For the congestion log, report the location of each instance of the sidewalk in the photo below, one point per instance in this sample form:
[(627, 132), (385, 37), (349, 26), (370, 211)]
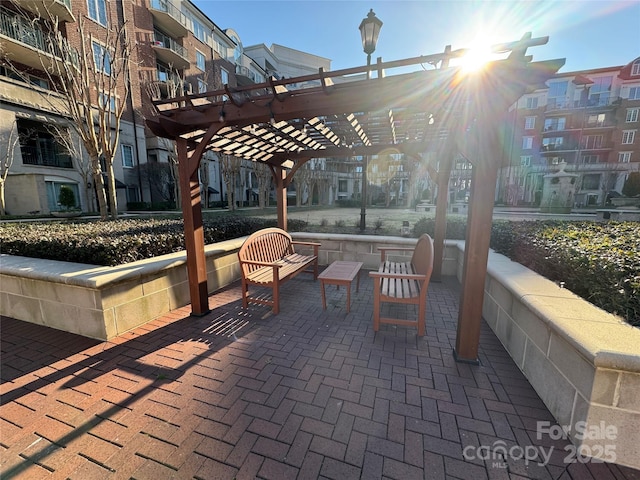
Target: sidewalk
[(304, 394)]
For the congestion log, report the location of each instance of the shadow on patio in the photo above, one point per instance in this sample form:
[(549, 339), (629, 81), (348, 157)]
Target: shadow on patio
[(307, 393)]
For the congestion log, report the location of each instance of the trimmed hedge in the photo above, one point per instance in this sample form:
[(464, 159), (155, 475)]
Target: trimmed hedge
[(600, 262), (121, 241)]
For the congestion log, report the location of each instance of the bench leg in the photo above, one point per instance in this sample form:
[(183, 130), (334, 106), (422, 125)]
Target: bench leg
[(324, 299), (245, 294), (276, 296)]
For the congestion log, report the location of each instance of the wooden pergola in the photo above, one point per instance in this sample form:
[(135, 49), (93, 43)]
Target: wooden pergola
[(347, 113)]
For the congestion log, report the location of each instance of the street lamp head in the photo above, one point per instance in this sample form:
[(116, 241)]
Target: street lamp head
[(369, 31)]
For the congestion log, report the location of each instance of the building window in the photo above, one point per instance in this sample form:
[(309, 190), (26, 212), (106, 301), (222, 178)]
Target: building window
[(529, 123), (554, 124), (200, 60), (342, 186), (600, 91), (624, 157), (634, 93), (127, 156), (53, 194), (532, 103), (595, 120), (108, 102), (98, 11), (40, 145), (101, 58), (591, 181), (635, 68), (527, 143), (592, 141), (202, 86), (224, 76), (552, 143), (590, 158), (628, 136), (632, 114), (557, 96), (525, 161)]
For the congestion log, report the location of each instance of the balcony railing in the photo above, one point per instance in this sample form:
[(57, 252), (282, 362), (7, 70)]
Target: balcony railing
[(21, 30), (565, 104), (558, 147), (162, 40)]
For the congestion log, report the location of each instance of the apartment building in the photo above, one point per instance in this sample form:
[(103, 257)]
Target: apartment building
[(588, 120), (176, 49)]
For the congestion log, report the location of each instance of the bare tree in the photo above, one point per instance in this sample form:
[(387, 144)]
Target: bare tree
[(8, 143), (230, 169), (264, 183), (88, 88)]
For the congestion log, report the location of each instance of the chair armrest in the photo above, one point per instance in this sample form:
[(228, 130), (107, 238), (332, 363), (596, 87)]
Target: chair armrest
[(384, 250), (406, 276)]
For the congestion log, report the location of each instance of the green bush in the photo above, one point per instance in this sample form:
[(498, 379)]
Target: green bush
[(631, 187), (121, 241), (67, 198), (597, 261)]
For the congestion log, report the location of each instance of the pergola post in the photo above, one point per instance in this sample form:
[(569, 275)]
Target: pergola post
[(442, 200), (280, 175), (193, 228), (478, 236)]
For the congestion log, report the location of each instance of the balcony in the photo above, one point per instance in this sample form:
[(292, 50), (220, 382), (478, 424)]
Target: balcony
[(169, 18), (169, 51), (60, 9), (28, 44), (563, 147)]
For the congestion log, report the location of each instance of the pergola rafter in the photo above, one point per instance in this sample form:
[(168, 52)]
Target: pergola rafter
[(437, 109)]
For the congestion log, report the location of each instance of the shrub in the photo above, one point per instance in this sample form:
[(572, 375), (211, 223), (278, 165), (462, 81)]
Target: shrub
[(456, 227), (631, 186), (67, 198)]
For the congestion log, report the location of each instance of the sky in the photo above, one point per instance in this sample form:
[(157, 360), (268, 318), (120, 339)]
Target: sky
[(587, 33)]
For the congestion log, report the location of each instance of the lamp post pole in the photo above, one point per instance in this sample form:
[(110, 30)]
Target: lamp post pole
[(369, 31)]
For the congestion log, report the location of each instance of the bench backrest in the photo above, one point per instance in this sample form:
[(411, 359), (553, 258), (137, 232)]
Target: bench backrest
[(422, 258), (266, 245)]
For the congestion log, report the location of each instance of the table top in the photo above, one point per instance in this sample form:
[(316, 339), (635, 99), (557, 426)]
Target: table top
[(341, 270)]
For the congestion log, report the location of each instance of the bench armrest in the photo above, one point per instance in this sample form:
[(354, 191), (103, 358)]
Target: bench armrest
[(262, 264), (315, 246)]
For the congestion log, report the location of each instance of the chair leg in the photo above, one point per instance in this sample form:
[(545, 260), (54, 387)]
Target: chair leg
[(376, 304), (422, 311)]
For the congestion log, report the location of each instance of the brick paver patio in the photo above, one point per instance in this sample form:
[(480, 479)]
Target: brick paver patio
[(245, 394)]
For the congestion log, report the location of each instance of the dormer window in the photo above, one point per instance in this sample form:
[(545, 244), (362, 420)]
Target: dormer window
[(635, 68)]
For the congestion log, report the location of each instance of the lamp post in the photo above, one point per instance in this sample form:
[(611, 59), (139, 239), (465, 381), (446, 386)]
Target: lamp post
[(369, 31)]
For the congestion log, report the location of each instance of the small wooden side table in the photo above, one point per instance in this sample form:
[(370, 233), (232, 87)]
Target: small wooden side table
[(340, 273)]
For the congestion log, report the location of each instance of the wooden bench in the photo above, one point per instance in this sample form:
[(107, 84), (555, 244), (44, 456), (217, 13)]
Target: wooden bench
[(267, 258), (403, 282)]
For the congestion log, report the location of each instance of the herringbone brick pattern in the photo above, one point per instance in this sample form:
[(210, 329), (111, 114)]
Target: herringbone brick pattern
[(242, 394)]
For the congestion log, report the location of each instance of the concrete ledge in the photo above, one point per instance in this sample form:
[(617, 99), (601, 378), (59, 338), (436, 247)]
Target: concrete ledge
[(104, 302), (582, 361)]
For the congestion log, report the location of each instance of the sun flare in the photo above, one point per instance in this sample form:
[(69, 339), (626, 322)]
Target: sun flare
[(478, 55)]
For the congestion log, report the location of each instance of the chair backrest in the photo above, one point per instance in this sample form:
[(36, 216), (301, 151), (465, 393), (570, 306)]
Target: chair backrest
[(266, 245), (422, 258)]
